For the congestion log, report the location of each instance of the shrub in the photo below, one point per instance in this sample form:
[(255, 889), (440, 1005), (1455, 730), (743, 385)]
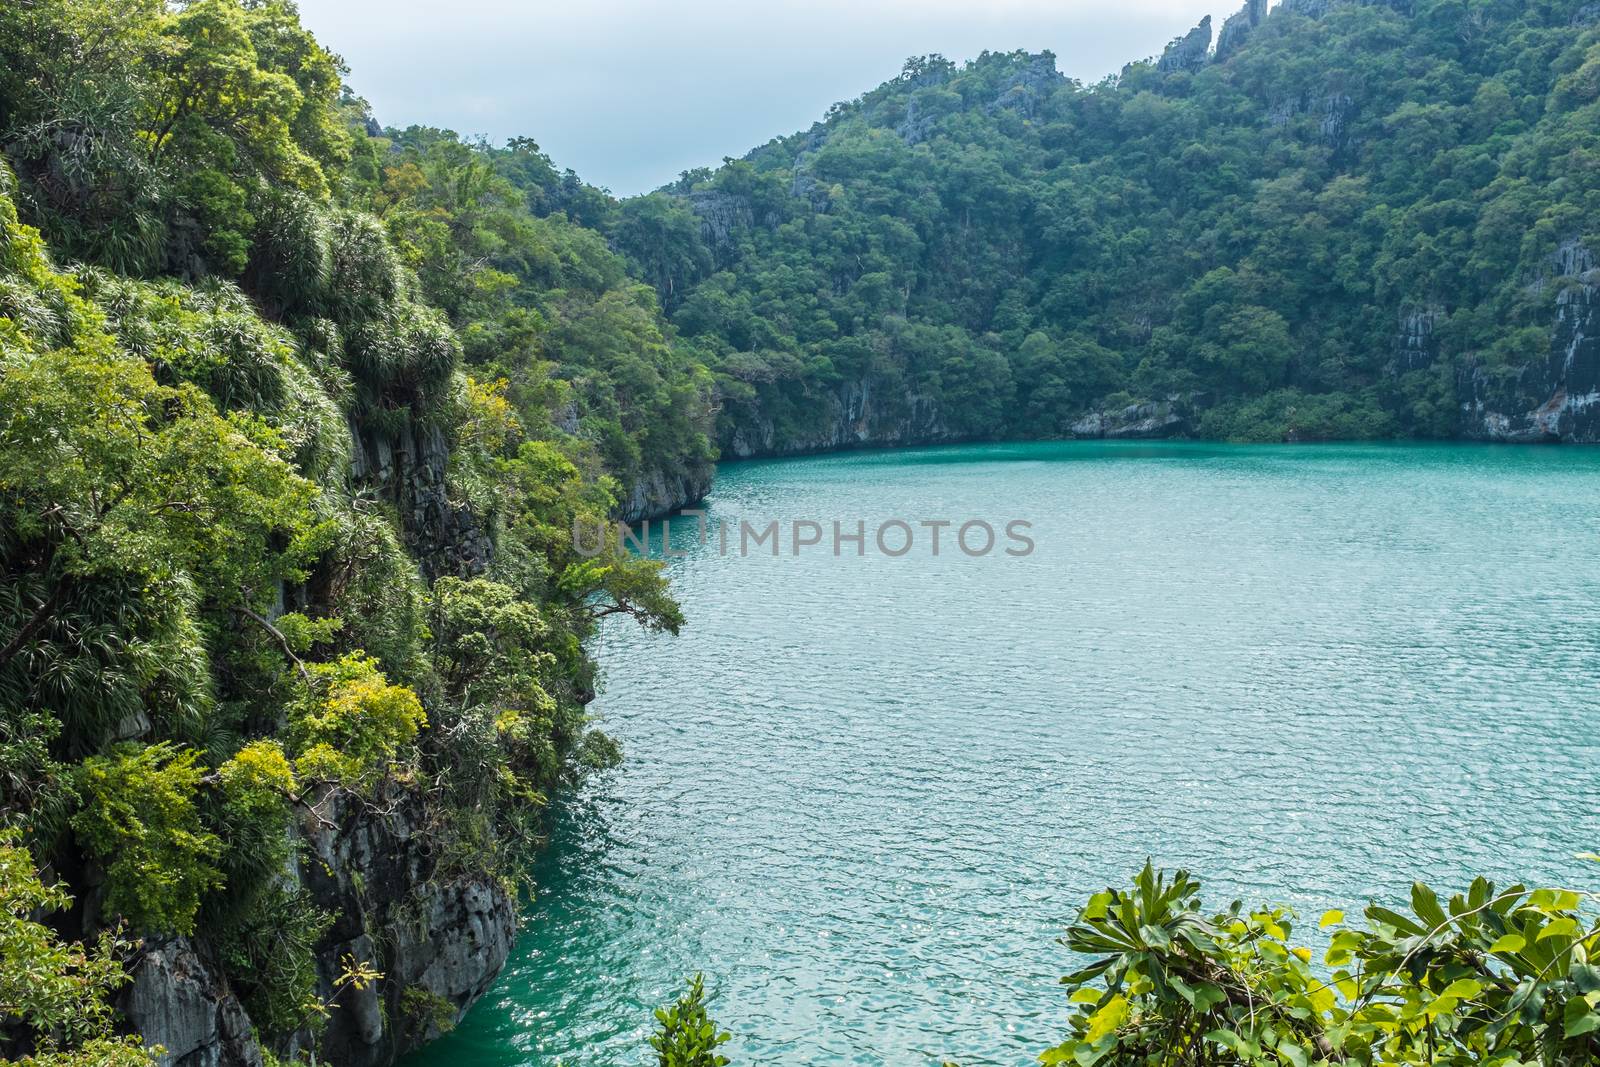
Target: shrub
[(352, 721), (686, 1035), (269, 952), (59, 990), (1492, 977), (140, 821), (256, 784)]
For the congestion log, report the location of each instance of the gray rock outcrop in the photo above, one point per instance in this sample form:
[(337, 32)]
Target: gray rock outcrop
[(1414, 347), (1236, 28), (1029, 87), (1189, 52), (432, 932), (438, 939), (1335, 113), (178, 1001), (1558, 398), (411, 467), (661, 493), (856, 415), (1147, 420), (722, 217)]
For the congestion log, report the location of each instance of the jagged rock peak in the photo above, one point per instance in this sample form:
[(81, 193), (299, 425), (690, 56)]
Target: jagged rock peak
[(1188, 52), (1236, 30), (1025, 90)]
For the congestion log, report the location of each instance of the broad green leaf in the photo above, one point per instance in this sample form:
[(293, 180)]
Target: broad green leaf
[(1062, 1053), (1105, 1021), (1394, 919), (1554, 900), (1509, 943), (1579, 1018), (1426, 904), (1228, 1040), (1294, 1055), (1330, 917), (1322, 999), (1463, 988)]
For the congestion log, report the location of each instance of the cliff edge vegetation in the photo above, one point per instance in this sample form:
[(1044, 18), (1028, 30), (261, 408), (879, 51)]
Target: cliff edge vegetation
[(296, 419)]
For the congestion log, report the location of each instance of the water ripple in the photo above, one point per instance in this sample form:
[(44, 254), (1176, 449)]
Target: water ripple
[(864, 795)]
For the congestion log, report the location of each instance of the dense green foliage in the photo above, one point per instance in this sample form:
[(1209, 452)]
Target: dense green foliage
[(56, 988), (541, 301), (1497, 977), (1017, 249), (295, 423)]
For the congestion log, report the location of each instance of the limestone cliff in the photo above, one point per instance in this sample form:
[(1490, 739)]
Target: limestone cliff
[(855, 415), (1558, 398), (438, 935), (1237, 27), (431, 933), (1150, 419), (657, 493), (1189, 52)]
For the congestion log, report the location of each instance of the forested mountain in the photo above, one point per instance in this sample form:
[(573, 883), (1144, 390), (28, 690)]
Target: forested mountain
[(1349, 220)]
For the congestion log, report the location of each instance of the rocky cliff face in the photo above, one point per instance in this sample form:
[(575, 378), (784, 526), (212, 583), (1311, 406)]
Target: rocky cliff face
[(722, 216), (856, 420), (439, 941), (178, 1000), (1236, 29), (1027, 90), (1151, 419), (1557, 399), (1189, 52), (439, 937), (659, 493), (1414, 347), (411, 467), (856, 415)]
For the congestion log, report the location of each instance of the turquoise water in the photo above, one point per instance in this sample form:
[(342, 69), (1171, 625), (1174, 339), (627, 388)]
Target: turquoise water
[(865, 795)]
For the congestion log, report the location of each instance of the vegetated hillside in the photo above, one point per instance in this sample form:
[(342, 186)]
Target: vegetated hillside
[(1349, 220), (296, 420)]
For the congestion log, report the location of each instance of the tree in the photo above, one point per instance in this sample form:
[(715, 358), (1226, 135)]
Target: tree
[(107, 472), (141, 821), (58, 990)]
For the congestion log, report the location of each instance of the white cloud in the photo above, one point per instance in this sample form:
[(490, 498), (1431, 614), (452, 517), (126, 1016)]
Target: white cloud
[(629, 92)]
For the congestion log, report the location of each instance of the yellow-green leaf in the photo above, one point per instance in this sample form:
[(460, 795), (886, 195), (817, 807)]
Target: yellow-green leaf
[(1563, 927), (1509, 943), (1107, 1019)]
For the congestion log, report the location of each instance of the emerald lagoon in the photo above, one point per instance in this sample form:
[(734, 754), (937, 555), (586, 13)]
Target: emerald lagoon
[(865, 794)]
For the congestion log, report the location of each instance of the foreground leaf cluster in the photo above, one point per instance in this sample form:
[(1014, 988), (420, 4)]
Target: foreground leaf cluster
[(1492, 976)]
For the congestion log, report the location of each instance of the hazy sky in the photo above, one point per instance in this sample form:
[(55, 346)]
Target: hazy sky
[(630, 92)]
